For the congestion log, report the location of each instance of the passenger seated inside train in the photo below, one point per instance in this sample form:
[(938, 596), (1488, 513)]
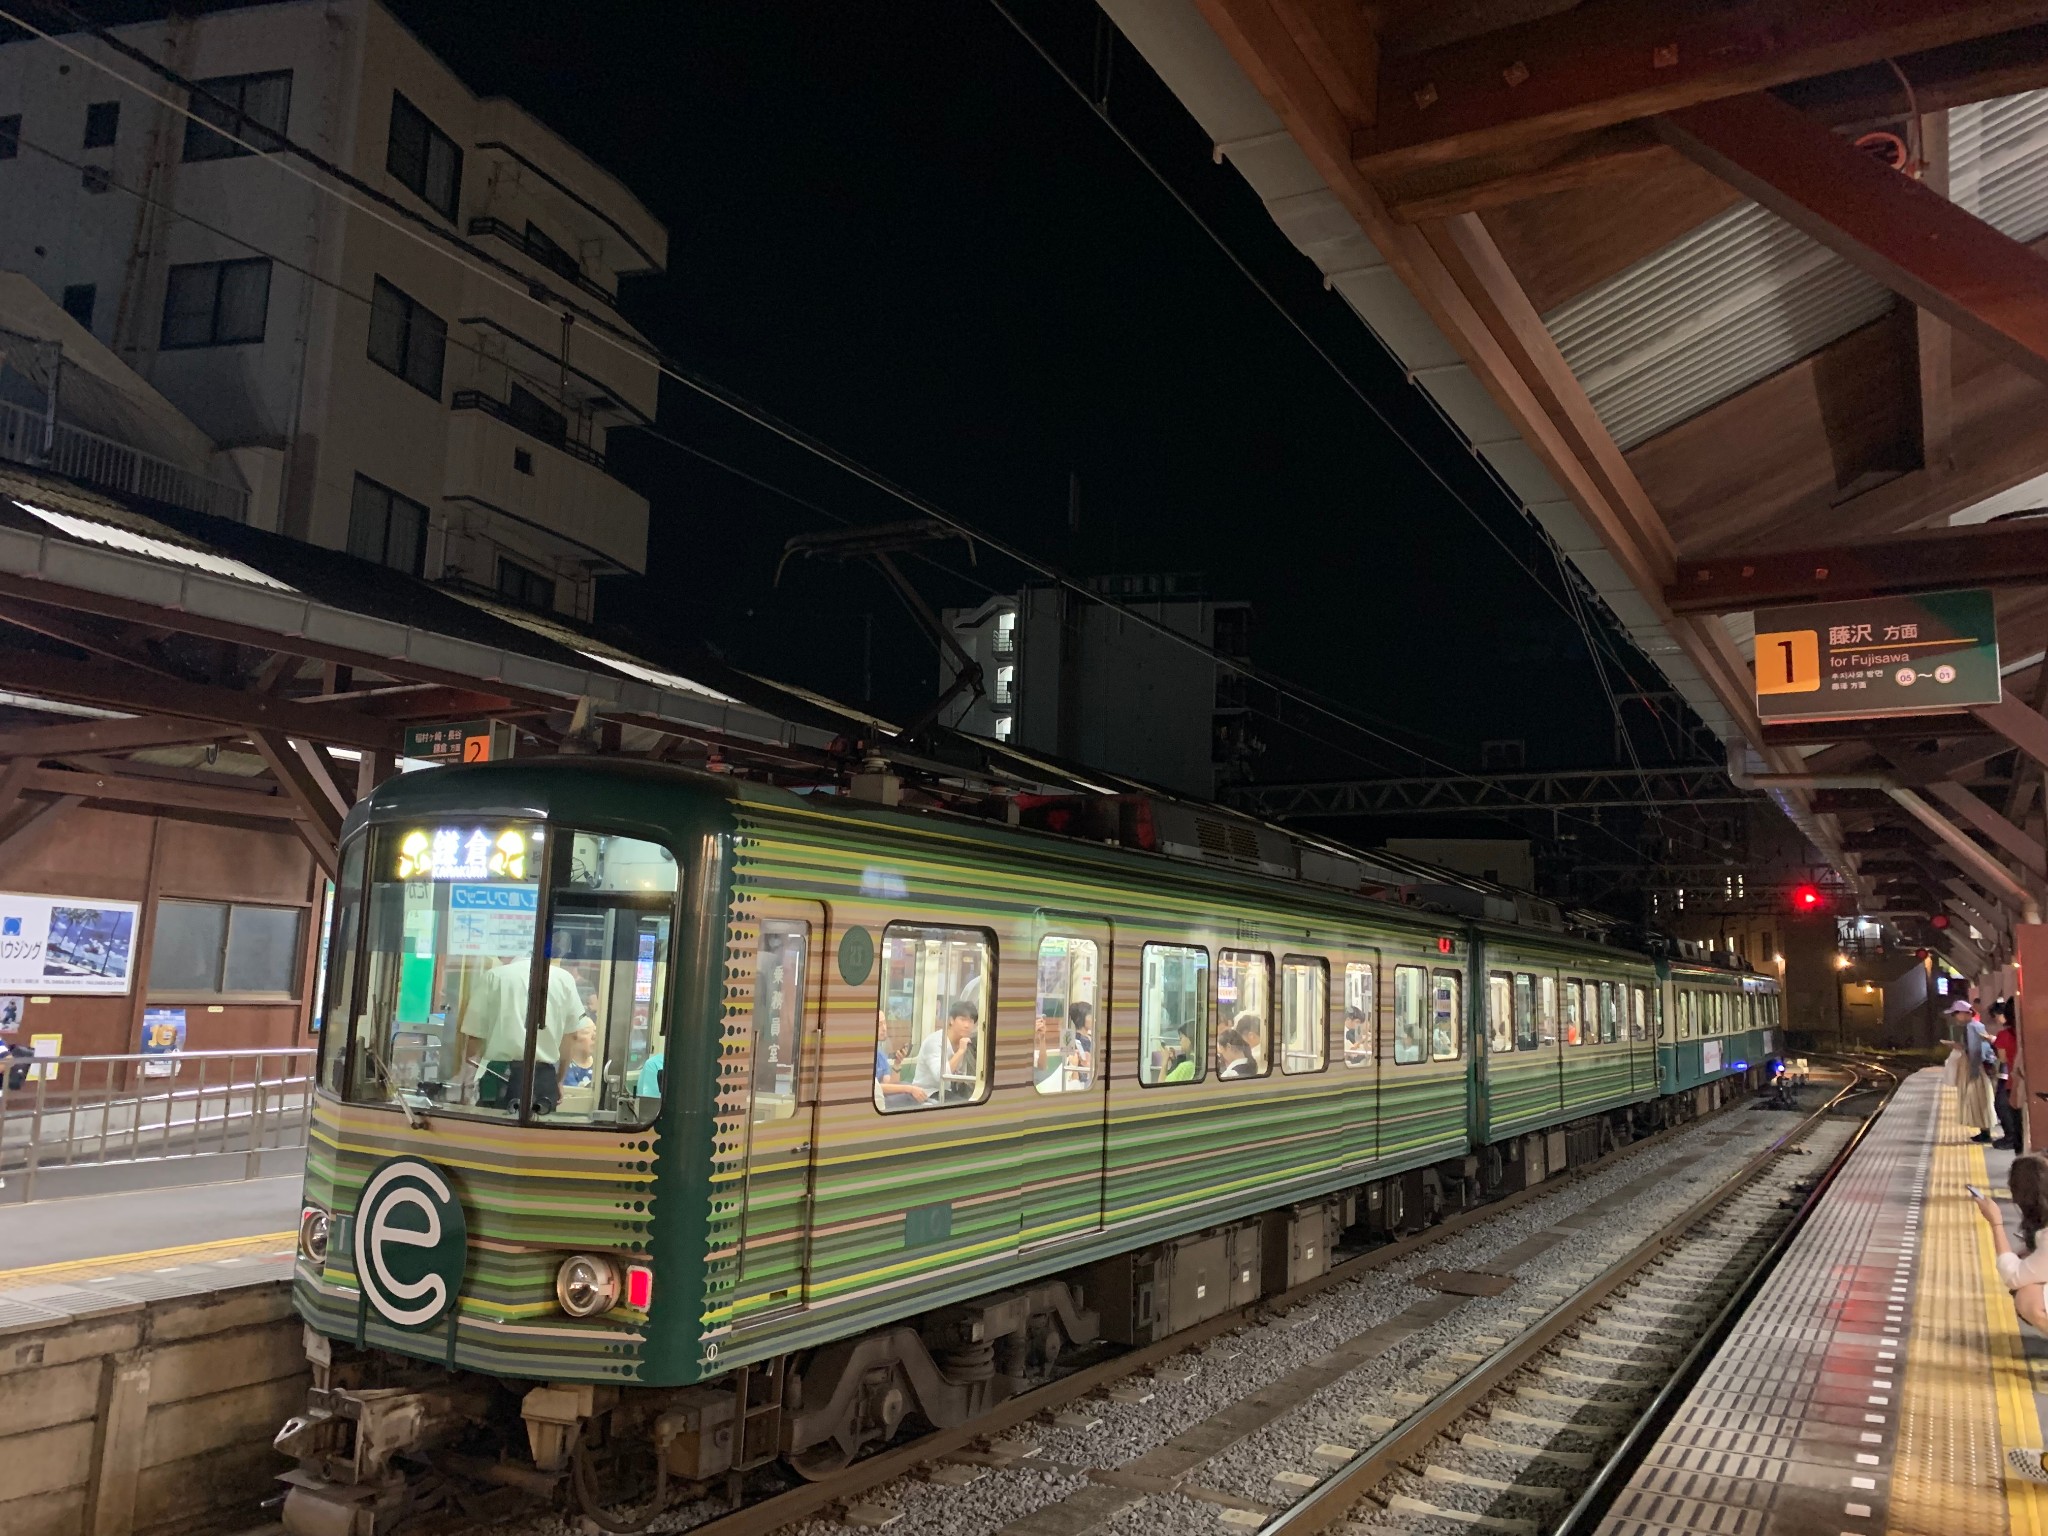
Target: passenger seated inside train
[(946, 1060), (1180, 1062), (1234, 1056), (891, 1092), (1251, 1031), (1081, 1020), (1357, 1039)]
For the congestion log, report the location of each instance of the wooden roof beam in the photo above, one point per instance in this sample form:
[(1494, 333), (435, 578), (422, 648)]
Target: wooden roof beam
[(1906, 235), (1596, 65), (2013, 554)]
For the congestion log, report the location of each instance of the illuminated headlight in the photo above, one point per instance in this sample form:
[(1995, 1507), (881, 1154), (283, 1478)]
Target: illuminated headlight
[(587, 1285), (313, 1227)]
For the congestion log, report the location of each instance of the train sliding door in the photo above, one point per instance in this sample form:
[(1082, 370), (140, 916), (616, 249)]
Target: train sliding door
[(784, 1071)]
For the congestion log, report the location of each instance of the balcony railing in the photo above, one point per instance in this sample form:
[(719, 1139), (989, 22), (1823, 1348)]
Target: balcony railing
[(114, 466), (554, 259), (490, 405)]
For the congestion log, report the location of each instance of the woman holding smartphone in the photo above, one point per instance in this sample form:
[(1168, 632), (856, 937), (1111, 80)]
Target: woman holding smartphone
[(2024, 1274)]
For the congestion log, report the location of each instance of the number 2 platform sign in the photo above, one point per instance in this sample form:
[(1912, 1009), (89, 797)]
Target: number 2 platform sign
[(1928, 654)]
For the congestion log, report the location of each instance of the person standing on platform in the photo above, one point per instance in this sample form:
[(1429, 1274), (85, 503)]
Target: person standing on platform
[(1969, 1071), (2007, 1098)]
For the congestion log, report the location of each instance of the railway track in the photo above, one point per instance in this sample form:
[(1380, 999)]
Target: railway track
[(1511, 1435)]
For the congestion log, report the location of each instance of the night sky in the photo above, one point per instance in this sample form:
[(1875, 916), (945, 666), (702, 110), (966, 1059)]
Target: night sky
[(892, 224)]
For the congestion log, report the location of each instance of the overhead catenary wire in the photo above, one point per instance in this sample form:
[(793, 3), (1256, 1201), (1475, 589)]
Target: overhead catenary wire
[(387, 210)]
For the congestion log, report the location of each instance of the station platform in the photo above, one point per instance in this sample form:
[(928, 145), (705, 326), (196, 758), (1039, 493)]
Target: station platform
[(1880, 1375), (69, 1258)]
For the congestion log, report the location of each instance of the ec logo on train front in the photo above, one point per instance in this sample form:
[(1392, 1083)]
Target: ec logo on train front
[(411, 1242)]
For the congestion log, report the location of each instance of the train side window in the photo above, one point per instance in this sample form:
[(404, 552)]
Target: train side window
[(1173, 1013), (1639, 1015), (779, 972), (1069, 987), (1409, 1035), (1572, 1035), (1500, 1013), (1610, 998), (1446, 1021), (1525, 1011), (938, 991), (1688, 1014), (1361, 1015), (1304, 1013), (1244, 1009), (1657, 1008), (1546, 1010)]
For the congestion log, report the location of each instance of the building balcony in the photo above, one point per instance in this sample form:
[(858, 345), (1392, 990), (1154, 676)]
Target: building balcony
[(96, 460), (551, 259), (559, 488)]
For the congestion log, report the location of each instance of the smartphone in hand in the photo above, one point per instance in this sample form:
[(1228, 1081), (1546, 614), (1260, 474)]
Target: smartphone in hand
[(1973, 1192)]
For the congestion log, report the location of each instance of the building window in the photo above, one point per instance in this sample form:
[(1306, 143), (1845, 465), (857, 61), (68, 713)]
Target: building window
[(78, 302), (548, 253), (216, 303), (526, 587), (10, 136), (102, 124), (1004, 726), (219, 948), (387, 528), (1006, 686), (423, 158), (1006, 632), (522, 460), (535, 417), (407, 338), (938, 995), (253, 109)]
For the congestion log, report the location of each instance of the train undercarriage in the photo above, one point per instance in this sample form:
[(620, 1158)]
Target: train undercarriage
[(385, 1438)]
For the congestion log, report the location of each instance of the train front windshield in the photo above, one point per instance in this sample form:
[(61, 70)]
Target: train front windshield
[(437, 1000)]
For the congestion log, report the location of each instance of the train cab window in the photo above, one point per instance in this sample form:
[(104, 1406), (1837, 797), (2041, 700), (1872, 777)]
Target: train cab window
[(1063, 1053), (1500, 1013), (1546, 1010), (1173, 1013), (1304, 1013), (1361, 1015), (445, 1019), (1244, 1014), (1525, 1011), (1609, 1028), (1639, 1014), (938, 992), (780, 966), (1410, 1034), (341, 967), (1573, 1033), (1446, 1019)]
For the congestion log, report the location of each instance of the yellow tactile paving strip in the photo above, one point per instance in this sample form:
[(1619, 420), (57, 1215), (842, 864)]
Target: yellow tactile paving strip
[(154, 1259), (1968, 1390)]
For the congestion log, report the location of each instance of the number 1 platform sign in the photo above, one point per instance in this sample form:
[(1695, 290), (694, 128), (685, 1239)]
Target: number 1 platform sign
[(1928, 654)]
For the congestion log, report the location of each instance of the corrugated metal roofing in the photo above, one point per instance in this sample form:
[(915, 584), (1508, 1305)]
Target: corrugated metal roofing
[(1745, 294)]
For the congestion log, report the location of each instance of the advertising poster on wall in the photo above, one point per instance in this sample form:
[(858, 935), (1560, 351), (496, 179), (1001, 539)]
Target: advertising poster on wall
[(11, 1011), (64, 944), (45, 1047), (163, 1037)]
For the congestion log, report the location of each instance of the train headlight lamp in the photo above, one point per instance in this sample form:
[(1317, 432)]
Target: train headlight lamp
[(586, 1285), (314, 1226)]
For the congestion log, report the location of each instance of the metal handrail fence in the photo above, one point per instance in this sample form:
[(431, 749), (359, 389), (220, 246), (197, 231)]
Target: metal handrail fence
[(74, 1111)]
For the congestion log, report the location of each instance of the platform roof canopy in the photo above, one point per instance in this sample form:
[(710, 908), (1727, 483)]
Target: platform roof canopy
[(1704, 281)]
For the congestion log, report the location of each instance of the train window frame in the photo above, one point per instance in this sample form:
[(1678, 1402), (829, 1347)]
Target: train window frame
[(985, 1023), (1500, 1013), (1570, 1025), (1657, 1011), (1318, 1026), (1547, 1010), (1364, 1049), (1071, 1077), (1148, 1025), (1415, 977), (1610, 1012), (1529, 1038), (796, 1031), (1456, 1014), (1225, 959), (1639, 1012)]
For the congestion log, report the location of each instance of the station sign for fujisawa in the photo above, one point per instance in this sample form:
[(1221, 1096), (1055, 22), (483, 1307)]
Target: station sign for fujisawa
[(1928, 654)]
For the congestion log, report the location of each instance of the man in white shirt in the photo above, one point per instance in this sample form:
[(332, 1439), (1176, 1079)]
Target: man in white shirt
[(494, 1030), (945, 1062)]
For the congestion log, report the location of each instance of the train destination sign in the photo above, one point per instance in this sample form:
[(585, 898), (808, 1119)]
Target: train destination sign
[(1931, 653)]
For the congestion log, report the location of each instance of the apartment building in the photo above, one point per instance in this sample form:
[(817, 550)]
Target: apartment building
[(371, 389)]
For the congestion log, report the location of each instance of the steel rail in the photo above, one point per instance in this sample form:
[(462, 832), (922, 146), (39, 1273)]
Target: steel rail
[(799, 1503), (1333, 1500)]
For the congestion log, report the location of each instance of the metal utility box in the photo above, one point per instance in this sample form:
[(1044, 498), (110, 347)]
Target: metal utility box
[(1247, 1263), (1554, 1161), (1298, 1242), (1199, 1285), (1146, 1295)]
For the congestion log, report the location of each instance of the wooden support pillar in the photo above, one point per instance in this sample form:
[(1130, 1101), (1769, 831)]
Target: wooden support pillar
[(2030, 949)]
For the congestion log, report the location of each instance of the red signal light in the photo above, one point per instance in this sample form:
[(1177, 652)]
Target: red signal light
[(1806, 898), (1443, 946), (1939, 920)]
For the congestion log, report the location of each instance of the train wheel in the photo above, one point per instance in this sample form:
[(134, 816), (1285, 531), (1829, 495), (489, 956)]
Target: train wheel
[(817, 1462)]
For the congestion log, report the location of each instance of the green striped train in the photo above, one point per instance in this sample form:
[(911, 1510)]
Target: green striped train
[(668, 1122)]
